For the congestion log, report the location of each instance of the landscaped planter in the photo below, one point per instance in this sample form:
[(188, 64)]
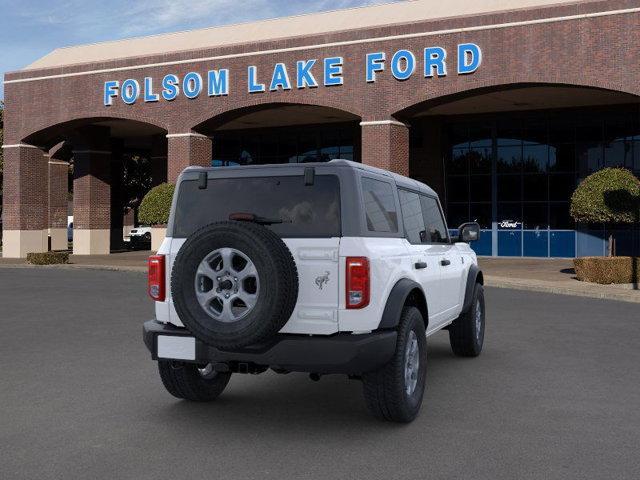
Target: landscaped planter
[(607, 270), (158, 232), (154, 211)]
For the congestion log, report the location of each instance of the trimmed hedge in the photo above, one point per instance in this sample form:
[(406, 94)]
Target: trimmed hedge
[(48, 258), (611, 195), (156, 205), (607, 270)]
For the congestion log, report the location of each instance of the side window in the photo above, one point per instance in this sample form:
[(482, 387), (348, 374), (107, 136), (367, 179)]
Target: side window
[(433, 220), (412, 216), (379, 206)]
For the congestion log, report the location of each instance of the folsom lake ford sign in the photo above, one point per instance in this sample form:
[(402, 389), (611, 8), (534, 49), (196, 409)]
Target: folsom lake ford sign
[(309, 73)]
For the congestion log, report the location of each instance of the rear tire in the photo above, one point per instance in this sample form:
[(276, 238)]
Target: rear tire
[(187, 381), (389, 392), (466, 333)]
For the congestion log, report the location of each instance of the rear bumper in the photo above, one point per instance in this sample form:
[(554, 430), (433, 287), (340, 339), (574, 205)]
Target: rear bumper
[(341, 353)]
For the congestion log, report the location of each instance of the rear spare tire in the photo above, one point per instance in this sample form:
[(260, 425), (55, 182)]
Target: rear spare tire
[(234, 284)]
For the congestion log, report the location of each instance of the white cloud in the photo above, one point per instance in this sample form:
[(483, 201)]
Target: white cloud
[(122, 18)]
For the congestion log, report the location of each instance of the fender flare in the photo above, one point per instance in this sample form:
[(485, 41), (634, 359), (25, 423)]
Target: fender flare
[(474, 276), (396, 301)]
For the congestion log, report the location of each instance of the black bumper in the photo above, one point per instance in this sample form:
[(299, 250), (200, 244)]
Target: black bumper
[(339, 353)]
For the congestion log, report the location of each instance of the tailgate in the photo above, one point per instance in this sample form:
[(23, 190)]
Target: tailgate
[(316, 311)]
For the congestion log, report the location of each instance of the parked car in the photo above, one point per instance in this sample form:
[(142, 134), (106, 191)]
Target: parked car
[(323, 268), (69, 228), (140, 238)]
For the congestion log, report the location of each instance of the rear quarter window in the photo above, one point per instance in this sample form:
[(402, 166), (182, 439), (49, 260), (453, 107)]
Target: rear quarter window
[(379, 206), (305, 210)]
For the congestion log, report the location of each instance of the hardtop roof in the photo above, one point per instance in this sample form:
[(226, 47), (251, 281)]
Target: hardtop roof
[(399, 180)]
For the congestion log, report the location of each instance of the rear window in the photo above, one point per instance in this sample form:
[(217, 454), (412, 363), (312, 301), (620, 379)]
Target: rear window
[(306, 211)]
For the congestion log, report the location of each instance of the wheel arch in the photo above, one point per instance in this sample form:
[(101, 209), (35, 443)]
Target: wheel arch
[(474, 276), (404, 292)]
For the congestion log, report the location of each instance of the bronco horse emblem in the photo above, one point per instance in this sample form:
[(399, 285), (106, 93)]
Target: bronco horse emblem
[(321, 280)]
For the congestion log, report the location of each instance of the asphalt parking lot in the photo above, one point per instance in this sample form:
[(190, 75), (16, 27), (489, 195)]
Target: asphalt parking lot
[(556, 394)]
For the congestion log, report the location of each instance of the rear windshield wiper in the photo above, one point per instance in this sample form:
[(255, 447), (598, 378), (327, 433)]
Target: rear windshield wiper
[(252, 217)]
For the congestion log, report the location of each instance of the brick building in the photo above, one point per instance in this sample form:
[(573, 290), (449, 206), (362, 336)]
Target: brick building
[(500, 105)]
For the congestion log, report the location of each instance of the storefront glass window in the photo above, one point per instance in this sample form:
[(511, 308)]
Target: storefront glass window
[(287, 145), (538, 159)]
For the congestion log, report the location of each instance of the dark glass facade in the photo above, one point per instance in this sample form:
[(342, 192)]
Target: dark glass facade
[(514, 173), (315, 143)]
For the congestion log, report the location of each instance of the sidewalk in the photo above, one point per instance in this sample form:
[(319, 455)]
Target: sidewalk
[(550, 276), (538, 275), (135, 261)]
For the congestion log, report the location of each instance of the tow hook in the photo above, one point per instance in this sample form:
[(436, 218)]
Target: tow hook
[(314, 376)]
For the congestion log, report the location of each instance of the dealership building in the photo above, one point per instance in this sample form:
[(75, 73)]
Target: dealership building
[(501, 106)]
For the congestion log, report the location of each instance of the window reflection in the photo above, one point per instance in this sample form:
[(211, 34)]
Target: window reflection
[(539, 158), (286, 145)]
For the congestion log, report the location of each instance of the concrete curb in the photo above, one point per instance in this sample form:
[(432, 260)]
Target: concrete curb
[(602, 292), (74, 266)]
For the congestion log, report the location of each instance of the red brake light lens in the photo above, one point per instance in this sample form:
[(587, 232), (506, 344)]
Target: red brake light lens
[(357, 294), (155, 278)]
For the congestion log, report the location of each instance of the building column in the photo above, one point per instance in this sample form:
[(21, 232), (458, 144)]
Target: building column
[(385, 144), (158, 160), (25, 202), (185, 150), (91, 191), (116, 240), (58, 191)]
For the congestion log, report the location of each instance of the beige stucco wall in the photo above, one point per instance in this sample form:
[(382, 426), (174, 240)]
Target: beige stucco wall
[(17, 243)]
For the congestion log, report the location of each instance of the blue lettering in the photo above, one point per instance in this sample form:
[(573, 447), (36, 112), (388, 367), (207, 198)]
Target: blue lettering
[(149, 96), (304, 77), (434, 58), (254, 87), (218, 82), (333, 71), (192, 85), (469, 58), (170, 87), (110, 92), (130, 91), (280, 78), (400, 71), (375, 63)]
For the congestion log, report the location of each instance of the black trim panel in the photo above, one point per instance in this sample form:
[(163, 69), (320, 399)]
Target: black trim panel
[(396, 301), (472, 278), (340, 353)]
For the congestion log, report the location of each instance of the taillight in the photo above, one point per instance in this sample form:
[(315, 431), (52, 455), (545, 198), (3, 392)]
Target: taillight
[(155, 278), (357, 282)]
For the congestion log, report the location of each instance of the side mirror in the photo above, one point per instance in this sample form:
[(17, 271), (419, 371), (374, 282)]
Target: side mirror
[(469, 232)]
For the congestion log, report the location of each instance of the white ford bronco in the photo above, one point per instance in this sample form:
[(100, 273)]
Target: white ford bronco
[(322, 268)]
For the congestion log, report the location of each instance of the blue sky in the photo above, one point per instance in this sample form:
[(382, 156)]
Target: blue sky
[(30, 29)]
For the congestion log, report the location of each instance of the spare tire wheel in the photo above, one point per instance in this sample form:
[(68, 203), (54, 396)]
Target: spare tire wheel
[(234, 284)]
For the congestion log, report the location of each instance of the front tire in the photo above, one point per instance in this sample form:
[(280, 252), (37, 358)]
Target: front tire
[(466, 333), (395, 392), (190, 382)]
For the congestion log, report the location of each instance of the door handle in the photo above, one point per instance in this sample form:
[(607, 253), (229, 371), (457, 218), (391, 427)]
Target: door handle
[(420, 265), (444, 262)]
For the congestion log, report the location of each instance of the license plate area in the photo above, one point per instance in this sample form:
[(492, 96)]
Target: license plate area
[(176, 348)]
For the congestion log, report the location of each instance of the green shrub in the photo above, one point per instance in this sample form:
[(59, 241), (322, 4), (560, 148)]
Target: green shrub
[(607, 270), (48, 258), (611, 195), (156, 204)]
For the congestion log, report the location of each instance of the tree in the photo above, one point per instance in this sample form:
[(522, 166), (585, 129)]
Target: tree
[(156, 205), (136, 179), (611, 195)]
